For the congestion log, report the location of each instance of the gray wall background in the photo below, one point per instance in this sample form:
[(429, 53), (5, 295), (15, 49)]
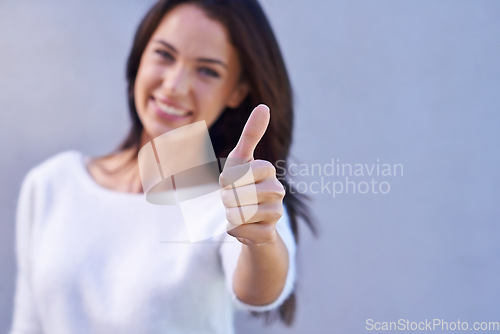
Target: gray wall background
[(410, 82)]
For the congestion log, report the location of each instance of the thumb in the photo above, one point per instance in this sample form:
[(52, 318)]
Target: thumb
[(252, 133)]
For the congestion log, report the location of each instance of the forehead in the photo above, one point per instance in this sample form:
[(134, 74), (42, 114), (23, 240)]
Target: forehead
[(193, 33)]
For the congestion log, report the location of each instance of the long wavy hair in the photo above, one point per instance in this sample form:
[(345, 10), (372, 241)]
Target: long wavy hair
[(264, 71)]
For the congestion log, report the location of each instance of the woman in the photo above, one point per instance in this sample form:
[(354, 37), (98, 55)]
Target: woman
[(89, 255)]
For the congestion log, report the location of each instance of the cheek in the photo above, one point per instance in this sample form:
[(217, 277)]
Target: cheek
[(139, 86), (138, 98), (144, 84), (212, 95), (213, 103), (148, 75)]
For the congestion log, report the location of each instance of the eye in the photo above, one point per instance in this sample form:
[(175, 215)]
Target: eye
[(208, 72), (164, 54)]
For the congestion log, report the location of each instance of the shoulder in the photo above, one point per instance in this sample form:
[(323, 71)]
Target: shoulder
[(43, 182), (59, 162), (55, 169)]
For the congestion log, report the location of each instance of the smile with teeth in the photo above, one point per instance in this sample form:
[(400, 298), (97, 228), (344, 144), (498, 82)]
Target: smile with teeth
[(169, 110)]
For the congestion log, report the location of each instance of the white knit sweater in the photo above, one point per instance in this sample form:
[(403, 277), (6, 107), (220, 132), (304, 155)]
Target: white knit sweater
[(93, 260)]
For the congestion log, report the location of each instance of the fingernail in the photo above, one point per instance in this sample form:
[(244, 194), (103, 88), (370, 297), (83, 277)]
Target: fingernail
[(264, 105)]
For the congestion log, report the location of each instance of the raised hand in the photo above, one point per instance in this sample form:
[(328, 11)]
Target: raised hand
[(252, 194)]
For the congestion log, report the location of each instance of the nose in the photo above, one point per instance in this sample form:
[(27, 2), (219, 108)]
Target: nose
[(176, 80)]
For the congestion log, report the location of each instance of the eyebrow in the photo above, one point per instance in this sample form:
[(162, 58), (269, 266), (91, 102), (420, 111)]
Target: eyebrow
[(204, 60)]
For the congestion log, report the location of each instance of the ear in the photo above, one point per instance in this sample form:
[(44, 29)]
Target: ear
[(238, 95)]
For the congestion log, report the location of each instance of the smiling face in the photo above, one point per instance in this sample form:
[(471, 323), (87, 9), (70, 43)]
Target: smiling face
[(189, 72)]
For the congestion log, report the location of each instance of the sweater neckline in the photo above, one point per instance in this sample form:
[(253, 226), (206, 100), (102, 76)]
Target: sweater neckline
[(92, 183)]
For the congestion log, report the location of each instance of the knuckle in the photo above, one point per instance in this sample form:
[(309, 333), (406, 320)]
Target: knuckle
[(268, 234), (233, 217), (270, 167), (227, 197), (266, 166), (279, 189), (277, 215), (276, 190), (229, 215), (282, 190), (222, 179), (275, 212)]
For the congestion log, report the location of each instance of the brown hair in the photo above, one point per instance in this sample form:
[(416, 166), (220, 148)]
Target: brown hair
[(264, 71)]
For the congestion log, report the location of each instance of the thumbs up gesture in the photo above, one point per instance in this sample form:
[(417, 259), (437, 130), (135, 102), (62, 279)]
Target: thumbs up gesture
[(251, 192)]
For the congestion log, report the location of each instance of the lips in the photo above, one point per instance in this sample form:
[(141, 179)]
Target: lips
[(169, 110)]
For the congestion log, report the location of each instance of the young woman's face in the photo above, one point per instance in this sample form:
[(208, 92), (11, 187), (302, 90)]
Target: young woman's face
[(189, 72)]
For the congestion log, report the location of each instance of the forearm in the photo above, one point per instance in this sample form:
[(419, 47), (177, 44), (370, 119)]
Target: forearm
[(261, 272)]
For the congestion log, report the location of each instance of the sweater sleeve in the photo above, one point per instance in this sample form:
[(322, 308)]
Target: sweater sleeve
[(230, 252), (25, 320)]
